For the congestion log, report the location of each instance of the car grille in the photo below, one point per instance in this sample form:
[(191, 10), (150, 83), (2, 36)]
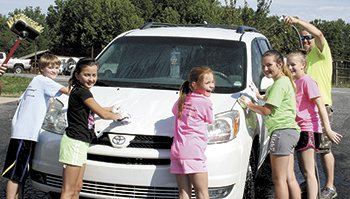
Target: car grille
[(100, 189), (140, 141), (116, 190), (131, 161)]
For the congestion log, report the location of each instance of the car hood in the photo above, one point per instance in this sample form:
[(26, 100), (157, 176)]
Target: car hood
[(150, 109)]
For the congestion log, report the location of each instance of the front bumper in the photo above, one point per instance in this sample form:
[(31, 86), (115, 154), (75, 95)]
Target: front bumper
[(227, 165)]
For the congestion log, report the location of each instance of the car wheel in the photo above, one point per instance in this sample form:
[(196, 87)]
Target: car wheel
[(249, 188), (54, 195), (18, 69)]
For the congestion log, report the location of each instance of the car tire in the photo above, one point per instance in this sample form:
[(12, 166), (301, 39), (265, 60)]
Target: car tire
[(54, 195), (18, 69), (249, 187)]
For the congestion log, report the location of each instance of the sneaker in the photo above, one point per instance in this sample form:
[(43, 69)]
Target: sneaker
[(328, 193)]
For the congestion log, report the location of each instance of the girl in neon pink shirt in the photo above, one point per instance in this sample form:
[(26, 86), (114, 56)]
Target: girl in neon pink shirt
[(310, 112), (193, 111)]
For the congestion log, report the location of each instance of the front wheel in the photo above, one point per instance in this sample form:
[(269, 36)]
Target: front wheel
[(54, 195), (249, 188), (18, 69)]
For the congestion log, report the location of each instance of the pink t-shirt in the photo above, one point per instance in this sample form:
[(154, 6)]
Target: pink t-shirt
[(191, 133), (307, 111)]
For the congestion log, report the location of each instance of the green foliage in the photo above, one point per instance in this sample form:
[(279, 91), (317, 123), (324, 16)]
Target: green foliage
[(14, 86), (337, 34), (179, 11), (7, 38), (282, 37), (82, 25)]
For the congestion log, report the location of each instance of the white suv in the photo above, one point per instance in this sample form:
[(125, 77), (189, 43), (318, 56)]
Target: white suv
[(142, 70)]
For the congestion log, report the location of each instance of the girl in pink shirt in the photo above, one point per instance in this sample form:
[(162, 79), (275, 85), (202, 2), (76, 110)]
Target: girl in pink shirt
[(193, 111), (310, 112)]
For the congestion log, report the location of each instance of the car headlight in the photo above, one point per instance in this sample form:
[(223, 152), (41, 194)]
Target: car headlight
[(224, 128), (55, 120)]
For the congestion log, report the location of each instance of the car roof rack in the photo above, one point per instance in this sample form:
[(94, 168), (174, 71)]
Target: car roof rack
[(239, 29)]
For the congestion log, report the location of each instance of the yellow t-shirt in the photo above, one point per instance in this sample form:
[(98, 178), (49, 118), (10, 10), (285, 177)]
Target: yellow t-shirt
[(320, 68)]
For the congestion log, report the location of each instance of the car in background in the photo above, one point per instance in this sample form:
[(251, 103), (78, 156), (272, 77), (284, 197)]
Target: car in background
[(142, 70), (70, 65), (16, 65)]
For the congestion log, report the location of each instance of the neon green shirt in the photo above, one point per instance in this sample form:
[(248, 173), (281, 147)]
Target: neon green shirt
[(320, 68), (281, 95)]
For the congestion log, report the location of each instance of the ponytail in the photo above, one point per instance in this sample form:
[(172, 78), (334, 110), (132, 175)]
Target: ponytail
[(287, 72), (184, 90)]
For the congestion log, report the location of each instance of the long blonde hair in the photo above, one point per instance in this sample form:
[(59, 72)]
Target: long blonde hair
[(278, 58), (196, 75)]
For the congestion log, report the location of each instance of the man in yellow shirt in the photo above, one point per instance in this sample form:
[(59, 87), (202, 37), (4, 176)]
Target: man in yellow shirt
[(319, 67)]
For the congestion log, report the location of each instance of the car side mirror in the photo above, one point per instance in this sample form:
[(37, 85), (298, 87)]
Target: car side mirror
[(265, 83)]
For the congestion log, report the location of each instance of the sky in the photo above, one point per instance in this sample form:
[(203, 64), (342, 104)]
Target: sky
[(307, 10)]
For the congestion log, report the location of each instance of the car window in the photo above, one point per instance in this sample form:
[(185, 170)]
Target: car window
[(259, 47), (264, 45), (165, 62)]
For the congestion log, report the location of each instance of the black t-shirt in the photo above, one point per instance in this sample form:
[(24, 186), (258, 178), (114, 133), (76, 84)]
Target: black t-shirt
[(81, 120)]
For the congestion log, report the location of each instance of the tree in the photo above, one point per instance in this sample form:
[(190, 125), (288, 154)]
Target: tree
[(337, 35), (89, 25), (245, 16), (281, 37), (7, 38), (179, 11)]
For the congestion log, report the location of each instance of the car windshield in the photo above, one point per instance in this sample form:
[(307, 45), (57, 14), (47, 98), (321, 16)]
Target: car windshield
[(165, 62)]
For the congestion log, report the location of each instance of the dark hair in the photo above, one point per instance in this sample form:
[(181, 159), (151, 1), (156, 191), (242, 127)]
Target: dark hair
[(196, 75), (48, 59), (82, 63), (278, 58)]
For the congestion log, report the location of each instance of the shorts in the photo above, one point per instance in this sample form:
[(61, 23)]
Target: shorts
[(283, 141), (326, 144), (188, 166), (308, 139), (18, 160), (72, 151)]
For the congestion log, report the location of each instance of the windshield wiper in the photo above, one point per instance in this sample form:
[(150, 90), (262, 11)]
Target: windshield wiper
[(167, 86), (102, 83)]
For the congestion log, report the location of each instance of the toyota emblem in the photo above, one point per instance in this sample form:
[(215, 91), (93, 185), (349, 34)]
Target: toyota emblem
[(118, 140)]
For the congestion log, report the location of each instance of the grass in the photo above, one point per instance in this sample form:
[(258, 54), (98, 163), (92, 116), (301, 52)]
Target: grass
[(341, 85), (14, 86)]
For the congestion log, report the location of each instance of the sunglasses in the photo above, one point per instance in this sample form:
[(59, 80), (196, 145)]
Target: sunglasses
[(309, 37)]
